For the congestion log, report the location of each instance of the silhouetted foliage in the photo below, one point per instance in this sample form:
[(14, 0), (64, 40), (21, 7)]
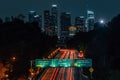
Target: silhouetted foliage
[(26, 42), (114, 42), (102, 45)]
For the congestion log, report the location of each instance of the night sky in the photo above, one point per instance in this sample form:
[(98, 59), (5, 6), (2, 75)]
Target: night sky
[(105, 9)]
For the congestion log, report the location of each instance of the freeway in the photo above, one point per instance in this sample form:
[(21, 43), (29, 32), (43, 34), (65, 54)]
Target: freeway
[(66, 73)]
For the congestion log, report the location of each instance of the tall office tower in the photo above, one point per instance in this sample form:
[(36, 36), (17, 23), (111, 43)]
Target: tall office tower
[(90, 20), (80, 23), (47, 22), (65, 23), (54, 19), (40, 22), (31, 15), (38, 18)]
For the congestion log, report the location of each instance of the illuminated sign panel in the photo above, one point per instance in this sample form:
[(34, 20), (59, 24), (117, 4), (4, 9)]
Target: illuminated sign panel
[(43, 63), (53, 62), (65, 63), (83, 62)]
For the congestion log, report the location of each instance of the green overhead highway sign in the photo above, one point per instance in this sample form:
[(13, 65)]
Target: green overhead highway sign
[(65, 63), (43, 63), (83, 62), (53, 62)]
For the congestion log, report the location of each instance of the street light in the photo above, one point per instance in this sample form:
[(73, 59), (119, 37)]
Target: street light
[(13, 59)]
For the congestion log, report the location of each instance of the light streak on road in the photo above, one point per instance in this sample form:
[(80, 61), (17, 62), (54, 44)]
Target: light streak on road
[(61, 73)]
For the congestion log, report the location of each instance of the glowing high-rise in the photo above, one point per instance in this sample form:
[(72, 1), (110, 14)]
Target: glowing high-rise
[(90, 20), (54, 19)]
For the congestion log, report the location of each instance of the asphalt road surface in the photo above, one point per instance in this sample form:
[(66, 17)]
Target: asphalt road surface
[(66, 73)]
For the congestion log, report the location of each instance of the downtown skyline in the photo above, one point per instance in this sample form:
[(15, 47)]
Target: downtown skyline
[(76, 8)]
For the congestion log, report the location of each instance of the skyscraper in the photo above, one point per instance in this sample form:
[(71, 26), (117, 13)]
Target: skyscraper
[(54, 19), (38, 18), (52, 26), (65, 23), (80, 23), (90, 20), (31, 15), (47, 22)]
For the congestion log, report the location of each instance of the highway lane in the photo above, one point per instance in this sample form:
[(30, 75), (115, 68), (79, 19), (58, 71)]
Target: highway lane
[(61, 73), (69, 73), (50, 73)]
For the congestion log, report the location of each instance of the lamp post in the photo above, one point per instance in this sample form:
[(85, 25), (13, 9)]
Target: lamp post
[(33, 71)]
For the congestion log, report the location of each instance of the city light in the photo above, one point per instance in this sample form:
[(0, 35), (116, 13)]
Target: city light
[(101, 21), (54, 5), (36, 16), (13, 58), (31, 11)]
